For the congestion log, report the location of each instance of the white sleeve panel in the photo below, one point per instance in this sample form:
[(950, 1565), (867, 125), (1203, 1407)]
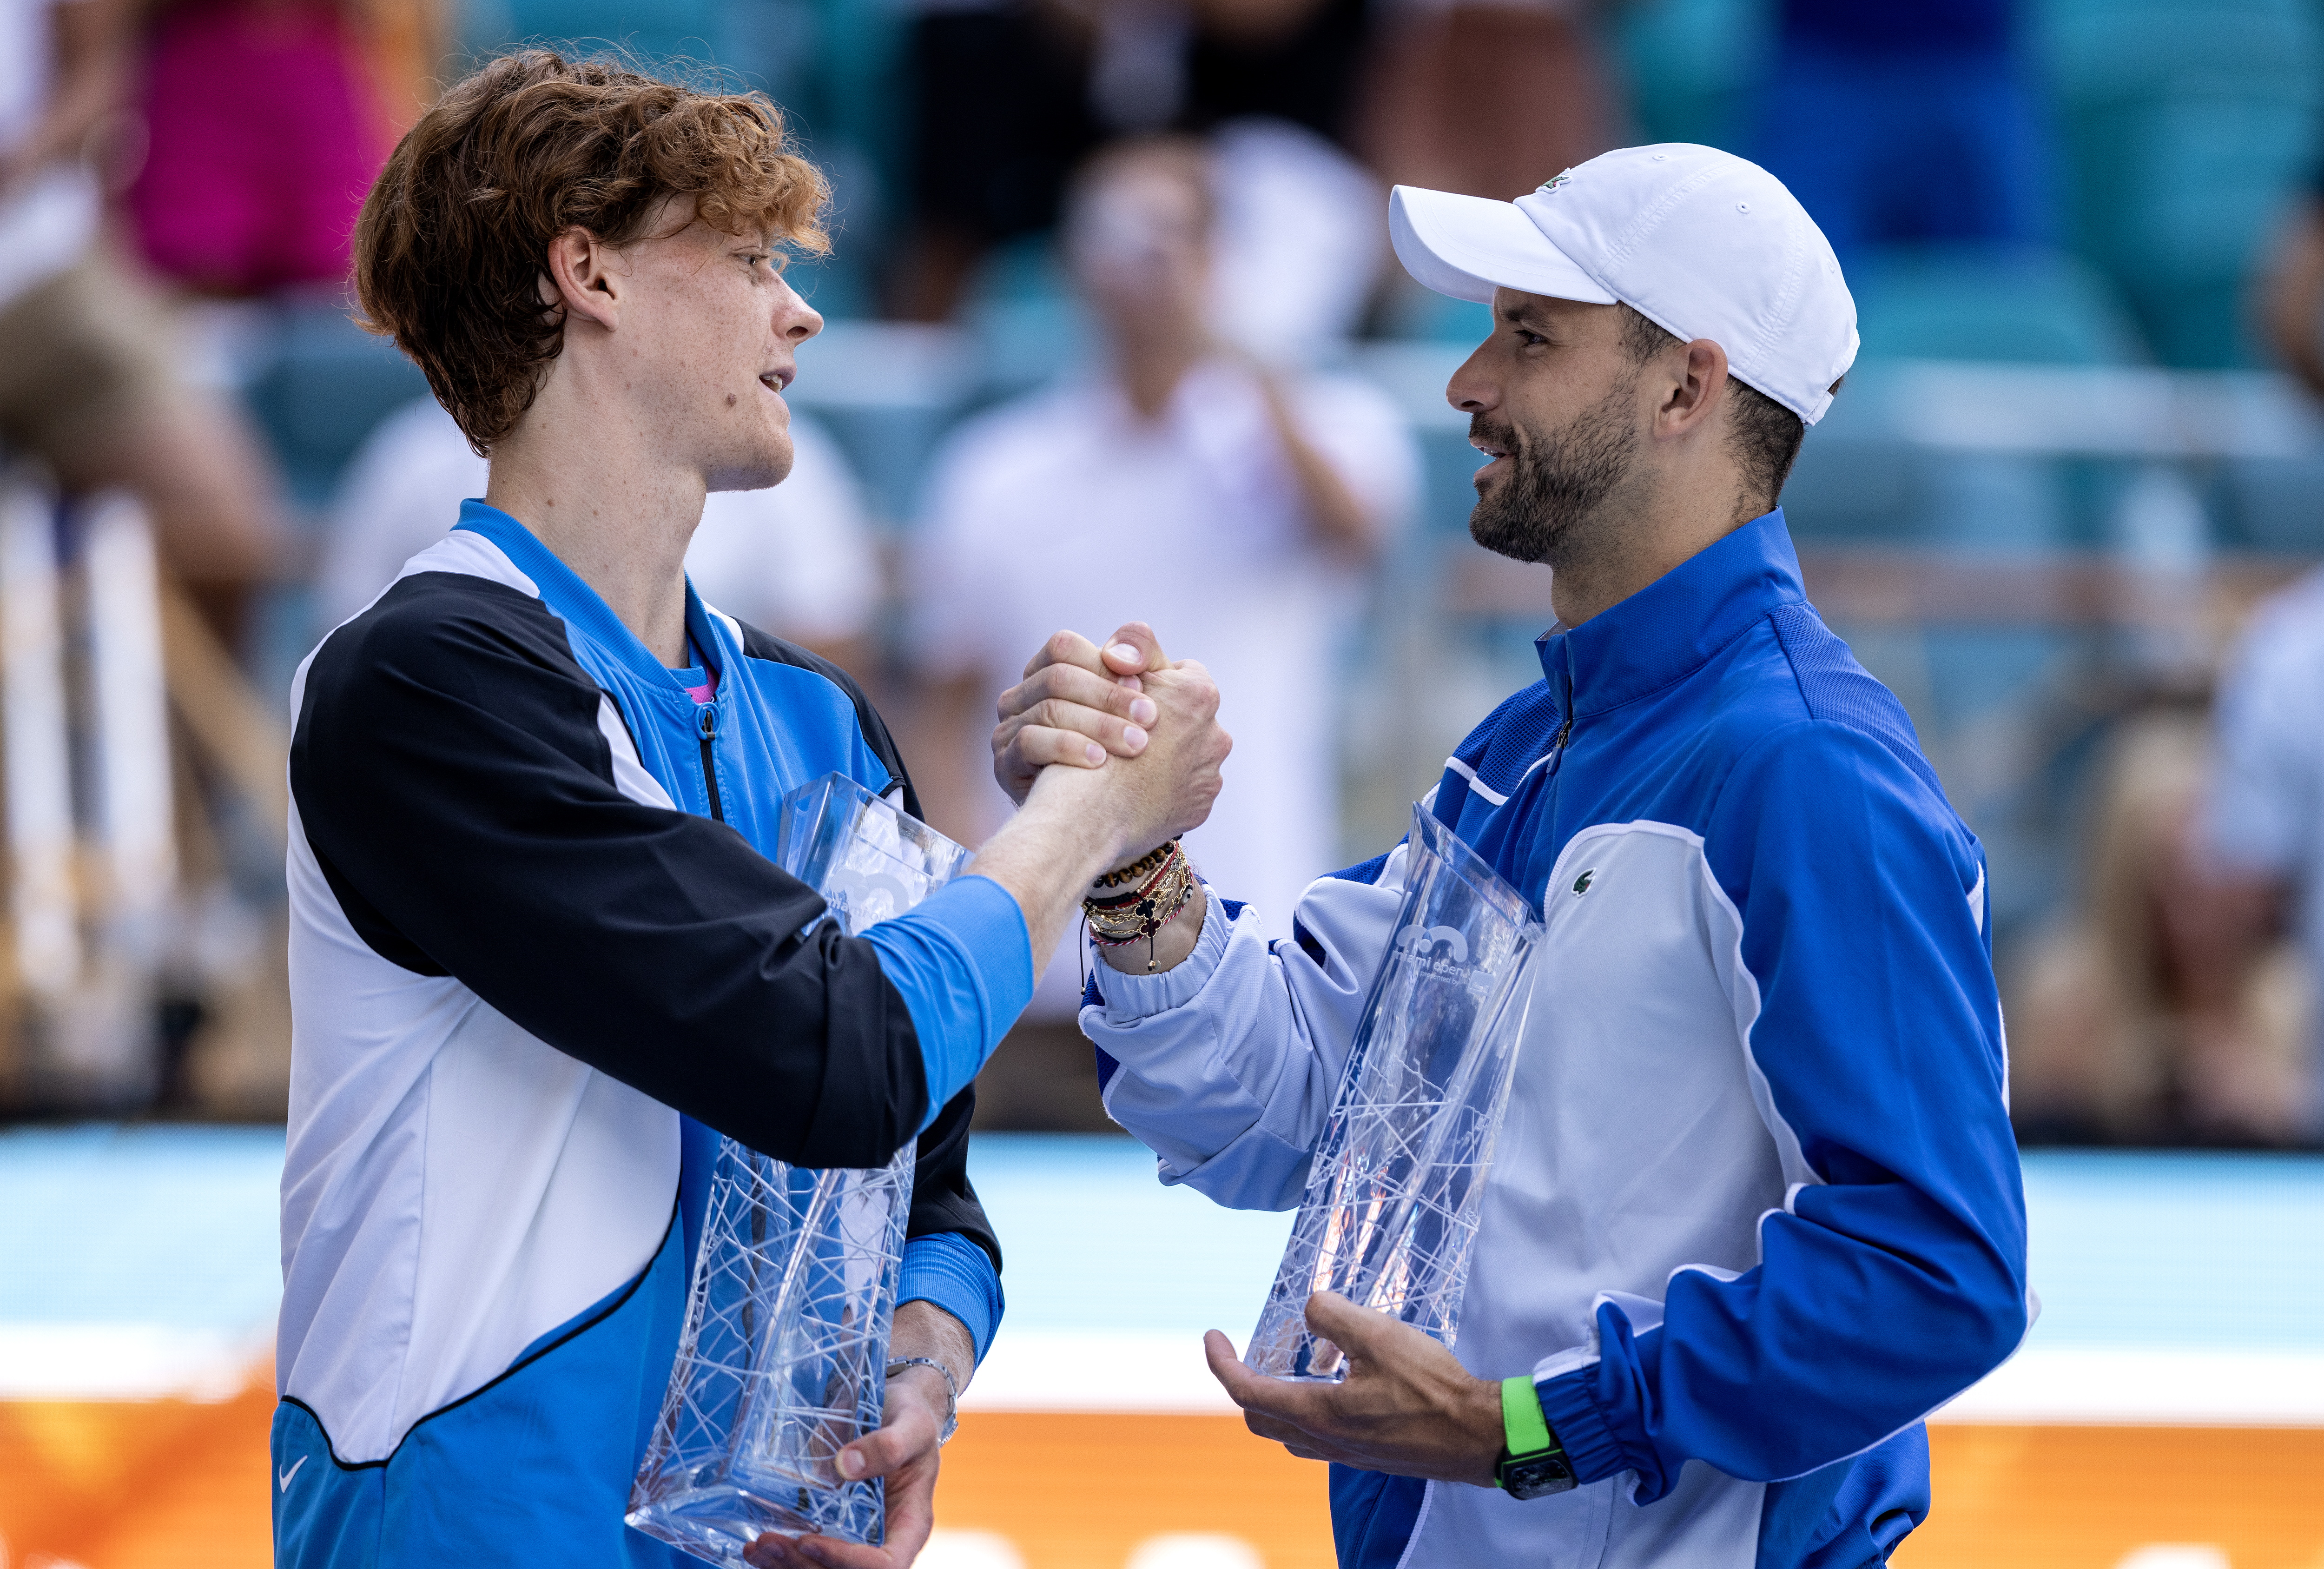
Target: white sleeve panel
[(1228, 1061)]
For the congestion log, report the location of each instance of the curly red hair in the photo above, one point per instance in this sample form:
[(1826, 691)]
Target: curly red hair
[(455, 234)]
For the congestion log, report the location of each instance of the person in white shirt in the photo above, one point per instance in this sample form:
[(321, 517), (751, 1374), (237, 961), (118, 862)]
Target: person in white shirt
[(1234, 507), (798, 561), (87, 384), (2264, 815)]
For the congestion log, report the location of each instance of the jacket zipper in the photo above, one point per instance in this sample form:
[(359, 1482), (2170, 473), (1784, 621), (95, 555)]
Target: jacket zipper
[(705, 725), (1557, 747), (1565, 725)]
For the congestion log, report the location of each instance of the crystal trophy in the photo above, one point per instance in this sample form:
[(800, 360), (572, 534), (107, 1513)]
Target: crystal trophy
[(782, 1359), (1389, 1217)]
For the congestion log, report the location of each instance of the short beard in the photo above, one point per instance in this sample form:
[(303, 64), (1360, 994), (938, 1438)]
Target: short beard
[(1555, 482)]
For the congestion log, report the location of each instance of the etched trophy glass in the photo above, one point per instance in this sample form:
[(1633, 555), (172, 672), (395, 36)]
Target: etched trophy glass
[(782, 1357), (1389, 1217)]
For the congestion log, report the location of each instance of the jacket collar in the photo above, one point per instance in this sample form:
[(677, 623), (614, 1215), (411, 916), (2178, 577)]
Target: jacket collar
[(563, 591), (1671, 627)]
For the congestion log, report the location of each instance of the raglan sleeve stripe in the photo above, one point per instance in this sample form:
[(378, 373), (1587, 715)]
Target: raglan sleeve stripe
[(453, 783)]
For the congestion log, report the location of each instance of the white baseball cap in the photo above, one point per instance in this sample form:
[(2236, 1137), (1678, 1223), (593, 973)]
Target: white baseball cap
[(1699, 241)]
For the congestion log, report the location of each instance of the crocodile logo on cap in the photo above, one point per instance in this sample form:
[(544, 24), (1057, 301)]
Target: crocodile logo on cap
[(1549, 187)]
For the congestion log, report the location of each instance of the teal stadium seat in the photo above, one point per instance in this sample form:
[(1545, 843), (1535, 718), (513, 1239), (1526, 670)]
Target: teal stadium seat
[(652, 30), (319, 389), (1692, 65), (2024, 306), (1860, 479), (2187, 126)]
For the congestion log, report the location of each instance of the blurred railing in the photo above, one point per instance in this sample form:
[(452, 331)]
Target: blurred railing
[(98, 650)]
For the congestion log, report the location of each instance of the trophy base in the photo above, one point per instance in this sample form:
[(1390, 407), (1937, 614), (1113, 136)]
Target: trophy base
[(716, 1522)]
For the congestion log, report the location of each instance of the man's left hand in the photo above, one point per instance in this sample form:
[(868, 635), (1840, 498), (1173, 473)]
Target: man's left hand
[(1407, 1407), (904, 1451)]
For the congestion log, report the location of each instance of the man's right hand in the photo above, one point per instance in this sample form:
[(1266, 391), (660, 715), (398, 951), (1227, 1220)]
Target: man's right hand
[(1137, 732), (1110, 751), (1080, 704)]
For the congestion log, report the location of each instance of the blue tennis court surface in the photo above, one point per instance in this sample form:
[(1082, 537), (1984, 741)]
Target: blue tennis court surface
[(2192, 1282)]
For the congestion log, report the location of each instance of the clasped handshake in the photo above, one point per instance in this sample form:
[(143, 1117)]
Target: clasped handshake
[(1140, 734), (1110, 751), (1123, 737)]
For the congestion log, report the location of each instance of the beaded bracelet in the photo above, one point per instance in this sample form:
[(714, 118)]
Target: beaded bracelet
[(1113, 915), (1146, 909), (1142, 867), (1100, 908)]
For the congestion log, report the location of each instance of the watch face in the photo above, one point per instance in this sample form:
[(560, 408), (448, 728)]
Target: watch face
[(1537, 1475)]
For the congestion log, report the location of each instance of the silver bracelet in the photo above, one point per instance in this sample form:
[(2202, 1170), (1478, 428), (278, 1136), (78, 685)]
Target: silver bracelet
[(952, 1392)]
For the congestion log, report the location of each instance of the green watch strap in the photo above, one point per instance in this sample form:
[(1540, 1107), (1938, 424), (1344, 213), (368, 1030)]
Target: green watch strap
[(1523, 1428)]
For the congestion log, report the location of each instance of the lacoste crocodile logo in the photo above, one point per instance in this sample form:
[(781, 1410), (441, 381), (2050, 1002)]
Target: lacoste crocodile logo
[(282, 1482)]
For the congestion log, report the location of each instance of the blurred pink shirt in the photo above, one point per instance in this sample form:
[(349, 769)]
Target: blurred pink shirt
[(264, 140)]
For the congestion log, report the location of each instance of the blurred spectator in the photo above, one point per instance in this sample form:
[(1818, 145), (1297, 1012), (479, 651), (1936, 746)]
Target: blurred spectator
[(87, 384), (2292, 292), (2267, 819), (1009, 95), (1297, 60), (796, 560), (1488, 97), (1907, 124), (1299, 238), (1256, 502), (267, 119), (2153, 1016)]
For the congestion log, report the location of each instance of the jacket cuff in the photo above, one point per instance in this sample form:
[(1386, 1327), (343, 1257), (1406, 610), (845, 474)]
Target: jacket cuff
[(1579, 1428), (951, 1272), (1122, 996)]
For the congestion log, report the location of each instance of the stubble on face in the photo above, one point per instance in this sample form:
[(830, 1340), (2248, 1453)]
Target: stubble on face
[(1541, 510)]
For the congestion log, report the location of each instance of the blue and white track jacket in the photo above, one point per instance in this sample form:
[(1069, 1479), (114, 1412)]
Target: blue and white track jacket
[(540, 957), (1756, 1209)]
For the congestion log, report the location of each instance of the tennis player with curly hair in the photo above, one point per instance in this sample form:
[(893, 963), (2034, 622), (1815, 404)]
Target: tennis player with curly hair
[(540, 955)]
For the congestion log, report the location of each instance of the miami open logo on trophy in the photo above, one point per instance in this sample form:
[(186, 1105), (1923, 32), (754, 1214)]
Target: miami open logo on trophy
[(1440, 950), (1389, 1217), (782, 1359)]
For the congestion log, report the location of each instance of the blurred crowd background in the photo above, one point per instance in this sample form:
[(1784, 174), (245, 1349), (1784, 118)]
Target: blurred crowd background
[(1114, 331)]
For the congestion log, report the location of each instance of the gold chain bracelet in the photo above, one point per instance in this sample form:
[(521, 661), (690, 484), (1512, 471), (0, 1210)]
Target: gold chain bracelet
[(1146, 908)]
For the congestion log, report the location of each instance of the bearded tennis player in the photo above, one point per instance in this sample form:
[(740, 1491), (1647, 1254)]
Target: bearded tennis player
[(1756, 1211), (540, 957)]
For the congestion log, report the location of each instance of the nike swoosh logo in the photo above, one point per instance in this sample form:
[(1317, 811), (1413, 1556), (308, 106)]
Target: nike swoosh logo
[(282, 1482)]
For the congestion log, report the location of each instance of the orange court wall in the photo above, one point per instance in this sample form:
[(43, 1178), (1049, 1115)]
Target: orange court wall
[(173, 1484)]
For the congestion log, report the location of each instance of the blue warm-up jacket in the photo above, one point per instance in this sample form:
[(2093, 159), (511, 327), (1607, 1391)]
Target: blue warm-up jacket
[(1756, 1209), (540, 957)]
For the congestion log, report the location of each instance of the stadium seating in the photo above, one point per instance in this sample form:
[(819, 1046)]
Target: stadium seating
[(1691, 66), (1863, 477), (2008, 304), (651, 30), (2187, 126), (318, 389)]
